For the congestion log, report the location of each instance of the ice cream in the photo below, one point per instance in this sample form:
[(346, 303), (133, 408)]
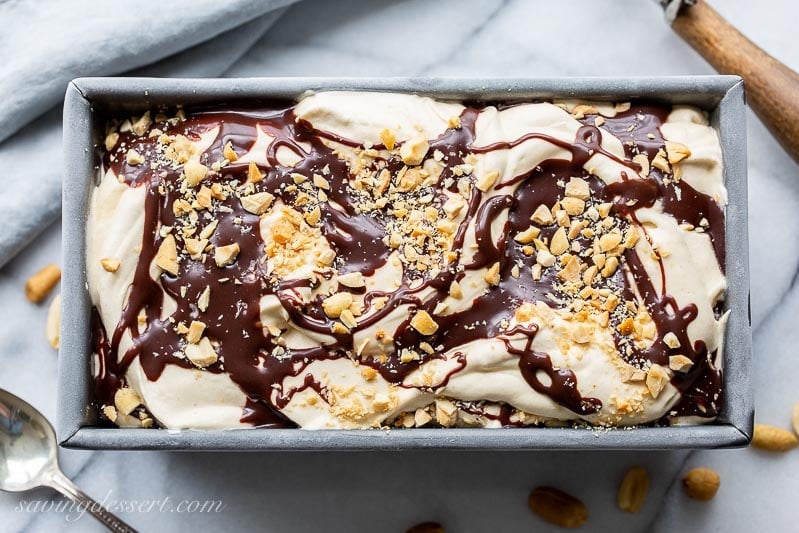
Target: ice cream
[(358, 260)]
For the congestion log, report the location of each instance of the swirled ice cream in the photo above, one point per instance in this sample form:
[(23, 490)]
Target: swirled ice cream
[(361, 260)]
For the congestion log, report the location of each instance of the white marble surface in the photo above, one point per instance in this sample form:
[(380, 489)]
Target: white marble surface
[(466, 491)]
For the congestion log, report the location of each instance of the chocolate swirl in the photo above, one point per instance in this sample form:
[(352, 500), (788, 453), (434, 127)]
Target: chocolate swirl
[(259, 364)]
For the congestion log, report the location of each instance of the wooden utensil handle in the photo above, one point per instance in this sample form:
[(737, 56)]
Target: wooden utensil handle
[(772, 88)]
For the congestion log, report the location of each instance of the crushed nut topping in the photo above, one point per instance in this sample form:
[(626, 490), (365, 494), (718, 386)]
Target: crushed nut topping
[(336, 238), (424, 323)]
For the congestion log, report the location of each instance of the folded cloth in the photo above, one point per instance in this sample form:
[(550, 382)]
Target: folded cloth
[(45, 44)]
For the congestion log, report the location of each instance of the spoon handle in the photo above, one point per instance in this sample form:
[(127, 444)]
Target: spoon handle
[(62, 484)]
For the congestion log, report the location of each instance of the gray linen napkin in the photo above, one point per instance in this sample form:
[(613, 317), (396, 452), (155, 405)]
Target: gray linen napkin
[(47, 43)]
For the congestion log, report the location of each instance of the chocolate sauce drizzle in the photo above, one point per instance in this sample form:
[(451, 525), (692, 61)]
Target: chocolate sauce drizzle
[(257, 363)]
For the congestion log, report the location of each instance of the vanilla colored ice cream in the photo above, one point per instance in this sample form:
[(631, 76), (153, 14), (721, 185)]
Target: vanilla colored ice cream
[(362, 259)]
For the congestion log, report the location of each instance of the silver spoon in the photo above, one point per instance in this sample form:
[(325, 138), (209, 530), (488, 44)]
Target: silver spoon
[(29, 459)]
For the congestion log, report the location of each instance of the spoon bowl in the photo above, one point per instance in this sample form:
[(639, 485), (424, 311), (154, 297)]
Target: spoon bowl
[(29, 458), (28, 450)]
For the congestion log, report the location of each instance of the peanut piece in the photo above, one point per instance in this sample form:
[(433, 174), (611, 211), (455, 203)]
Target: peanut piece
[(167, 255), (388, 138), (492, 275), (321, 182), (559, 244), (627, 326), (701, 484), (126, 400), (204, 198), (671, 340), (677, 152), (195, 333), (609, 241), (40, 284), (773, 439), (352, 280), (253, 173), (487, 180), (589, 275), (558, 507), (413, 150), (134, 158), (229, 153), (527, 236), (202, 354), (610, 266), (339, 328), (581, 110), (455, 290), (111, 141), (195, 247), (225, 255), (195, 172), (544, 258), (680, 363), (348, 319), (633, 490), (573, 206), (578, 188), (446, 412), (140, 126), (643, 162), (313, 216), (204, 299), (110, 413), (570, 272), (424, 323), (257, 203), (53, 326), (656, 380), (335, 304), (110, 265), (660, 162), (542, 215), (421, 417)]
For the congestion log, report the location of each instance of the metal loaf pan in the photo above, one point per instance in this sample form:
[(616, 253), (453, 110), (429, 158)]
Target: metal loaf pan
[(89, 101)]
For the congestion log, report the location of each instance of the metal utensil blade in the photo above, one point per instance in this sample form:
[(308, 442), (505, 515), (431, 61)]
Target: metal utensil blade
[(672, 7)]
